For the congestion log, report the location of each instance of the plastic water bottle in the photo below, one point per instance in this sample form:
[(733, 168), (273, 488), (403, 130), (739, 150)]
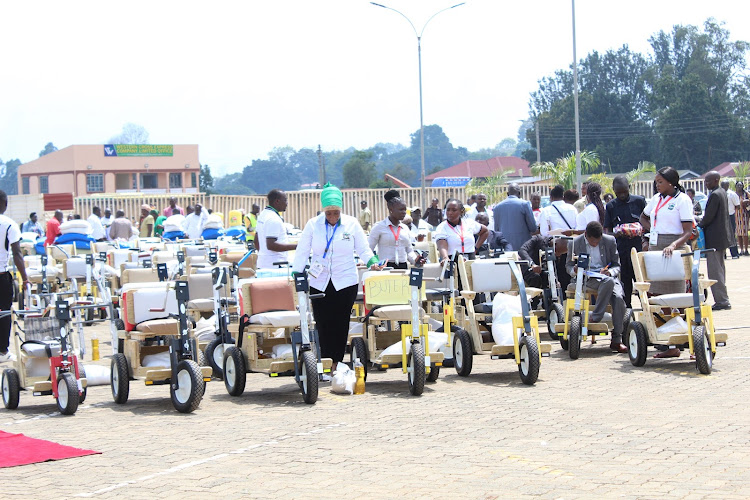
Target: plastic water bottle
[(359, 372), (94, 349)]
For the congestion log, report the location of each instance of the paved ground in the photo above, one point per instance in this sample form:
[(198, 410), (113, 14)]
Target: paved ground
[(596, 427)]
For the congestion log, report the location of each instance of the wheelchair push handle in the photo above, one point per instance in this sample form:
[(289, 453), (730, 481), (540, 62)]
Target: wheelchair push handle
[(700, 251)]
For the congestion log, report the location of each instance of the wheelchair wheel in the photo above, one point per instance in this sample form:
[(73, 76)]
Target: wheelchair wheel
[(555, 315), (416, 372), (215, 356), (528, 368), (702, 349), (637, 343), (11, 388), (189, 394), (82, 374), (359, 350), (67, 394), (235, 371), (120, 378), (309, 377), (434, 374), (574, 337), (463, 354)]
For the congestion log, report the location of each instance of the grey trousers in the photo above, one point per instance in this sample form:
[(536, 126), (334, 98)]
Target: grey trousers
[(716, 271), (609, 291)]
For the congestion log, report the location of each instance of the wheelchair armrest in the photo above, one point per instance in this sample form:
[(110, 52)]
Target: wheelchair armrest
[(468, 294), (706, 283), (642, 286)]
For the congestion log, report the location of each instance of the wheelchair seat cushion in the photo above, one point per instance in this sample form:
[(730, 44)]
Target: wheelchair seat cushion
[(678, 300), (279, 319), (201, 305), (41, 348), (167, 326)]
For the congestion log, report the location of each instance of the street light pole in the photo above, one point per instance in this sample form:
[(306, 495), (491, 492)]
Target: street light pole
[(575, 102), (423, 194)]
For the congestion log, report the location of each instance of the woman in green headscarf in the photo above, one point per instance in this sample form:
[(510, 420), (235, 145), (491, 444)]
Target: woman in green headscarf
[(330, 241)]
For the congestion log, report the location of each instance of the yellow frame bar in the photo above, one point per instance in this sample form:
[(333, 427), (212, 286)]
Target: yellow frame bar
[(517, 323)]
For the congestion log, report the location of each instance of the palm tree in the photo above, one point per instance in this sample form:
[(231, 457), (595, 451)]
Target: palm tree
[(742, 171), (563, 171), (491, 186), (642, 168)]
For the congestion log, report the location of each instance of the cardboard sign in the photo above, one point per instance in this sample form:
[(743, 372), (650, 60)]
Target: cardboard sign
[(388, 289)]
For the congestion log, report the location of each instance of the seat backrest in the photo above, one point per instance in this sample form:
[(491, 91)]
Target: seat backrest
[(195, 250), (490, 275), (75, 267), (142, 301), (162, 256), (660, 268), (268, 295), (200, 286), (139, 275)]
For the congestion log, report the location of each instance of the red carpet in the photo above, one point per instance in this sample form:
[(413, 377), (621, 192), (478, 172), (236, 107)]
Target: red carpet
[(17, 449)]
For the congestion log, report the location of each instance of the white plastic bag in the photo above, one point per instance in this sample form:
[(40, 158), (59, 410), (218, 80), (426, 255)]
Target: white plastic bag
[(282, 351), (97, 375), (674, 326), (504, 307), (343, 379)]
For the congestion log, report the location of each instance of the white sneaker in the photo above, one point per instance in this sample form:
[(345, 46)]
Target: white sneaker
[(8, 356)]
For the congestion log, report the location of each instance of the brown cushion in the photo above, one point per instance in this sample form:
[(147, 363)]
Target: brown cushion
[(155, 327), (271, 295), (202, 305), (200, 286)]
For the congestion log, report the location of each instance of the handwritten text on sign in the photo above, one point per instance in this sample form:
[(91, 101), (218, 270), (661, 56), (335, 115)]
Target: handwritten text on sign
[(388, 289)]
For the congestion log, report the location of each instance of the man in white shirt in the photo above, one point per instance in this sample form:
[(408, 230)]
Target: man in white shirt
[(559, 217), (480, 207), (733, 203), (271, 237), (95, 221), (194, 222), (10, 237), (418, 227)]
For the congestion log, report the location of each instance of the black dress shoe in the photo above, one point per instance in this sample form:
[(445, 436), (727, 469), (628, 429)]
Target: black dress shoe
[(721, 307)]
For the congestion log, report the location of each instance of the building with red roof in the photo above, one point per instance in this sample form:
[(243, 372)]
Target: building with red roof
[(486, 168)]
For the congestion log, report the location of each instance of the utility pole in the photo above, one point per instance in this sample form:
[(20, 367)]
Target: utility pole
[(538, 146), (321, 168)]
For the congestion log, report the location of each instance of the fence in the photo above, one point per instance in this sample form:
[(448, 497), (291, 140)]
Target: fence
[(303, 205)]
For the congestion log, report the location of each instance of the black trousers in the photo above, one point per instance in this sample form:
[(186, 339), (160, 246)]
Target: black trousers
[(562, 274), (331, 315), (627, 276), (6, 300)]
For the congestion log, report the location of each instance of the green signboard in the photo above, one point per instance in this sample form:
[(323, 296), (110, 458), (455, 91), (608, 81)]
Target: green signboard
[(138, 150)]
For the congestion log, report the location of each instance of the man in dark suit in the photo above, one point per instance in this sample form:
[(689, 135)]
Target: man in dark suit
[(603, 259), (514, 218), (715, 224)]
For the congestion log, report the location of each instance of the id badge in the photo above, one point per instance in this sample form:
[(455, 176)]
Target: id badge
[(653, 238), (315, 269)]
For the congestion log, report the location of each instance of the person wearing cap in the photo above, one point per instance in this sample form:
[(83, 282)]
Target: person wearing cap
[(365, 216), (147, 222), (418, 227), (329, 242)]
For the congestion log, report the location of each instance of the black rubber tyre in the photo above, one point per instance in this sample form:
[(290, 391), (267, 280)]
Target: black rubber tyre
[(11, 385), (119, 379), (188, 397), (629, 316), (215, 356), (67, 394), (434, 374), (359, 350), (528, 369), (574, 337), (309, 377), (202, 359), (119, 324), (463, 353), (416, 374), (702, 348), (556, 315), (637, 343), (236, 373), (89, 317), (449, 362), (82, 374)]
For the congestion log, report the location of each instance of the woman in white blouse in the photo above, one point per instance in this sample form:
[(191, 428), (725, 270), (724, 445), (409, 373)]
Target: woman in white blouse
[(669, 218), (457, 234), (392, 237), (333, 238), (594, 209)]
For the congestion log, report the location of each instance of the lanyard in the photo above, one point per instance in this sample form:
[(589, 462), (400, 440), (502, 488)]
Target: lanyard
[(658, 207), (329, 240), (460, 235), (277, 212), (396, 235)]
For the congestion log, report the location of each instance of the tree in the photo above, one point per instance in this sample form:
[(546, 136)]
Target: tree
[(490, 186), (48, 148), (231, 184), (131, 134), (563, 171), (359, 170), (9, 177), (263, 175), (205, 180)]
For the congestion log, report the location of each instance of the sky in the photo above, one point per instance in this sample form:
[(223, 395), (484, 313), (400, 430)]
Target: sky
[(239, 78)]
